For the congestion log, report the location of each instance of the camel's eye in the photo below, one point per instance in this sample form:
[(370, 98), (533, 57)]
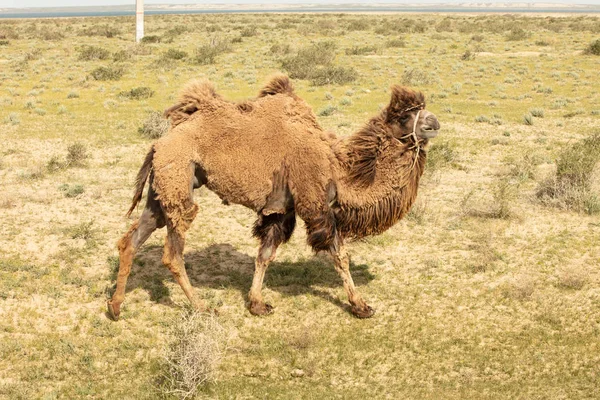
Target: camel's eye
[(404, 119)]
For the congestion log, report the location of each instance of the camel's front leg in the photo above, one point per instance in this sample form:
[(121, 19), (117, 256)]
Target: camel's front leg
[(272, 230), (341, 261)]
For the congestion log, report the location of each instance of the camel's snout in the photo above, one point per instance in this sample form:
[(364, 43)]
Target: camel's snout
[(430, 126)]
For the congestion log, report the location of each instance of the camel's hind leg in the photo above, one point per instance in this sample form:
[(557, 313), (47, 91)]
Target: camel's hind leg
[(272, 230), (151, 219), (341, 261), (173, 259)]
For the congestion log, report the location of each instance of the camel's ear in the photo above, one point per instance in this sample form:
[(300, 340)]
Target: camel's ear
[(402, 99)]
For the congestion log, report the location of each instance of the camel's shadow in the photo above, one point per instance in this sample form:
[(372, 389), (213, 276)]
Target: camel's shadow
[(221, 266)]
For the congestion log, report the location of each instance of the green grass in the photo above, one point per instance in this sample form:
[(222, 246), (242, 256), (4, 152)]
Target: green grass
[(482, 292)]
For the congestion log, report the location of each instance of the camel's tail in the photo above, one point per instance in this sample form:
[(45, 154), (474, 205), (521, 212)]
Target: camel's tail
[(278, 84), (140, 180)]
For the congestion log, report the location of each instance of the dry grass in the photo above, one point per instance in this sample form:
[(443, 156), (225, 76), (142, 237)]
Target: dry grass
[(492, 295), (193, 354)]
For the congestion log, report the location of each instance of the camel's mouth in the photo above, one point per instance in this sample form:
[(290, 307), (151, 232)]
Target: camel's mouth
[(428, 133)]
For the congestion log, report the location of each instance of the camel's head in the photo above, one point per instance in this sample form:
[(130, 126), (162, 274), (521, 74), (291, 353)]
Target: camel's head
[(405, 106)]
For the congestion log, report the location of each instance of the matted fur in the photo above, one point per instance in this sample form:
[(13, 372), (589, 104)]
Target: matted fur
[(270, 154), (351, 187)]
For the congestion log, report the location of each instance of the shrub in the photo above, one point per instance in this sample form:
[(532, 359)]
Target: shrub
[(88, 53), (121, 55), (193, 354), (334, 75), (395, 43), (537, 112), (138, 93), (517, 34), (571, 185), (175, 54), (107, 73), (528, 119), (72, 191), (467, 55), (100, 30), (150, 39), (593, 48), (440, 154), (249, 31), (280, 49), (358, 25), (4, 42), (327, 111), (77, 155), (415, 77), (206, 54), (358, 50), (48, 34), (154, 126)]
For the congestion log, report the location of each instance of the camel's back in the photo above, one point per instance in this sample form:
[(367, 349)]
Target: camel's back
[(241, 146)]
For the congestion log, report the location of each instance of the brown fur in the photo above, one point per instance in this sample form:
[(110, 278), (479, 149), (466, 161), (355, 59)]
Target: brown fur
[(270, 154)]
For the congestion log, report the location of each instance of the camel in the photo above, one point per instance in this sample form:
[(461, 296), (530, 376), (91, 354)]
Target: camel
[(270, 155)]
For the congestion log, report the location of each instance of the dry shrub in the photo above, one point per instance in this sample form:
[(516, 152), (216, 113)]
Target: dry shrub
[(100, 30), (206, 54), (151, 39), (88, 53), (441, 154), (416, 77), (315, 62), (111, 73), (572, 186), (360, 50), (572, 277), (395, 43), (154, 126), (593, 48), (77, 155), (495, 204), (519, 287), (138, 93), (193, 353)]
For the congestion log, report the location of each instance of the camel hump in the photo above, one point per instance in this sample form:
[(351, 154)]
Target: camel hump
[(194, 95), (278, 84)]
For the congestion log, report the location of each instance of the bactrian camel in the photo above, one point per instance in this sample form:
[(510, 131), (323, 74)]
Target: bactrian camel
[(270, 154)]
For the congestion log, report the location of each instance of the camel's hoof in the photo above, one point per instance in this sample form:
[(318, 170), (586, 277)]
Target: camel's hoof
[(362, 312), (261, 309), (112, 311)]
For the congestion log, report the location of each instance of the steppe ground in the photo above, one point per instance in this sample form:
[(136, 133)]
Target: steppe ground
[(483, 292)]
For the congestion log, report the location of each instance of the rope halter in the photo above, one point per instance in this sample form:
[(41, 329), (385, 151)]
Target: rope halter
[(413, 134)]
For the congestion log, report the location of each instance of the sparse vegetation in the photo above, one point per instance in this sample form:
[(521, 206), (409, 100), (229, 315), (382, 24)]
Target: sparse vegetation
[(593, 48), (207, 54), (485, 290), (154, 126), (138, 93), (571, 186), (111, 73), (89, 53)]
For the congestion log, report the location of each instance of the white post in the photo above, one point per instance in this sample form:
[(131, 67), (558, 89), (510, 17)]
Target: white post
[(139, 20)]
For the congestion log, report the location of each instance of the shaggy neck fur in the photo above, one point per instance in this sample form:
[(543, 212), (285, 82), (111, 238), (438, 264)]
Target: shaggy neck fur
[(378, 182)]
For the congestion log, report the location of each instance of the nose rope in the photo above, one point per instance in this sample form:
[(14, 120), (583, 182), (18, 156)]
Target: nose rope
[(413, 134)]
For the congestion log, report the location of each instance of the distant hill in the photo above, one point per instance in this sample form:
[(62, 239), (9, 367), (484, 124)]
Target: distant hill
[(349, 7)]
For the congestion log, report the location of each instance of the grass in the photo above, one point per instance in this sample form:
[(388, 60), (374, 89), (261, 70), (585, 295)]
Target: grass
[(483, 296)]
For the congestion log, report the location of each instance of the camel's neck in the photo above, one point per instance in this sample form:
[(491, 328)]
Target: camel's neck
[(377, 184)]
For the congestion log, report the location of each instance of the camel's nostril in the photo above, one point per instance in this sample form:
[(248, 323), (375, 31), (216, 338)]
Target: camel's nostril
[(432, 122)]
